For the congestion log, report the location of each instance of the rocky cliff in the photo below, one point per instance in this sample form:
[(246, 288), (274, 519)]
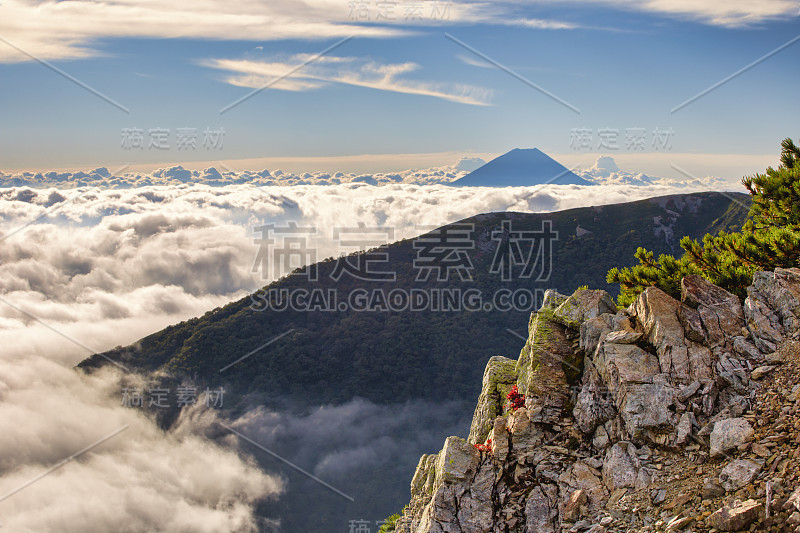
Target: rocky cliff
[(665, 416)]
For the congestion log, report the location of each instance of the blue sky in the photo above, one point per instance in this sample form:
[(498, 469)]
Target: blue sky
[(397, 86)]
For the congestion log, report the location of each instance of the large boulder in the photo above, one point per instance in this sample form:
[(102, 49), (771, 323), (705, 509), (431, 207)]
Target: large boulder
[(498, 378), (738, 473), (449, 488), (622, 468), (457, 461), (583, 305), (625, 363), (730, 434), (642, 394), (645, 411), (541, 511), (720, 311), (736, 516), (772, 307), (658, 313)]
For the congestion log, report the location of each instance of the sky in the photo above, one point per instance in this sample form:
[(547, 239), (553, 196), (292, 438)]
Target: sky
[(704, 85)]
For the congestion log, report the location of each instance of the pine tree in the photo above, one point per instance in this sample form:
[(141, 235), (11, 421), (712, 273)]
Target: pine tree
[(770, 238)]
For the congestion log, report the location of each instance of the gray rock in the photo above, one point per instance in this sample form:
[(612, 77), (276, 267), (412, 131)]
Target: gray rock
[(738, 473), (583, 305), (541, 367), (475, 511), (457, 461), (592, 331), (692, 325), (772, 307), (745, 348), (552, 299), (689, 391), (628, 372), (424, 476), (622, 468), (781, 291), (525, 435), (657, 311), (623, 337), (498, 378), (684, 429), (736, 516), (762, 323), (594, 404), (644, 407), (712, 490), (619, 364), (761, 371), (730, 434), (720, 311), (541, 513), (700, 361)]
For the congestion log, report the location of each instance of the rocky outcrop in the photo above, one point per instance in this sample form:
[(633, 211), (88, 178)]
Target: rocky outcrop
[(498, 378), (615, 399), (548, 361)]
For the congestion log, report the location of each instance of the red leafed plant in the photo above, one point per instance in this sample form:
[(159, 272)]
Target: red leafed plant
[(484, 447), (517, 400)]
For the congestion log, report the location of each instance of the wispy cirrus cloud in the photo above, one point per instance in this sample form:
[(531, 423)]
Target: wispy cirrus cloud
[(359, 72), (51, 29), (731, 13)]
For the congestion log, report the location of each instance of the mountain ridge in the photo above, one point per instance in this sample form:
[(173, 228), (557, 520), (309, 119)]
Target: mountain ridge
[(199, 347)]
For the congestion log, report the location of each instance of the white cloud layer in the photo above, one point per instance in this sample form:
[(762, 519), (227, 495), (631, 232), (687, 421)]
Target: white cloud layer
[(178, 175), (106, 266), (141, 479)]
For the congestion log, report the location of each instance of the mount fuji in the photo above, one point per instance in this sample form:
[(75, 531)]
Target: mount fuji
[(521, 168)]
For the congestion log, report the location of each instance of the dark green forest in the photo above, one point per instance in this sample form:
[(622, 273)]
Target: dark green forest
[(389, 356)]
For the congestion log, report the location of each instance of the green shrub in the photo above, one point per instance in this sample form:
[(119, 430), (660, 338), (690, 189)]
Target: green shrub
[(770, 238)]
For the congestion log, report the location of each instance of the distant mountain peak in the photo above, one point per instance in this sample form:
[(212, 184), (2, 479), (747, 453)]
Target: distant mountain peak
[(605, 163), (469, 163), (521, 167)]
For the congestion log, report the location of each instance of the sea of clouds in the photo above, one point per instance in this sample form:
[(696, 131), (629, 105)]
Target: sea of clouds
[(88, 266), (603, 172)]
